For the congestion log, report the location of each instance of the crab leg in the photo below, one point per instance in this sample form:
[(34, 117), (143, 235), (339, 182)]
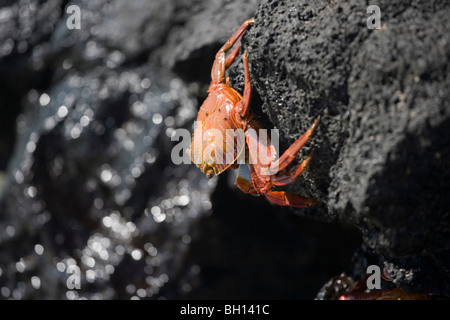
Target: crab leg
[(249, 182), (266, 171), (291, 175), (229, 60), (263, 182), (220, 63), (245, 104), (289, 155), (283, 198)]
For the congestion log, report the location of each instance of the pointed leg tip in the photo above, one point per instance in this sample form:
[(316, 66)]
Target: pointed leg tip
[(313, 152), (316, 121), (312, 201)]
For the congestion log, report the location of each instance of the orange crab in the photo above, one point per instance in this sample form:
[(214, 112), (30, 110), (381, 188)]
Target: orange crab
[(226, 110)]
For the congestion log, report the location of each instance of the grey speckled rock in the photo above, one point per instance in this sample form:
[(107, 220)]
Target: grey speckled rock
[(383, 146)]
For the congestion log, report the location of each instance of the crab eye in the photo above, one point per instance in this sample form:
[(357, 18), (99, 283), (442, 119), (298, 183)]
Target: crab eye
[(209, 173)]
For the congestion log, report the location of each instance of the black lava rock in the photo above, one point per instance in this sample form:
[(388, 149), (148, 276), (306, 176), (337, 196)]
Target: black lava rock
[(383, 145)]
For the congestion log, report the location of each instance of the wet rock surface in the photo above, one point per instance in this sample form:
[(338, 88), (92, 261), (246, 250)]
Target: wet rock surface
[(382, 160), (92, 205)]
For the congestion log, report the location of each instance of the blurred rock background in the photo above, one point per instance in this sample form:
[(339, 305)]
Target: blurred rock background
[(87, 179)]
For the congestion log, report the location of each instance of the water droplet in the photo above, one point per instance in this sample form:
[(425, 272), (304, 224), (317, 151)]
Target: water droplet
[(30, 147), (157, 118), (90, 275), (136, 254), (131, 226), (67, 64), (164, 277), (146, 83), (39, 249), (61, 267), (49, 123), (72, 295), (109, 269), (186, 287), (106, 175), (159, 217), (88, 261), (169, 121), (107, 221), (62, 111), (147, 141), (31, 191), (155, 210), (20, 266), (195, 269), (84, 121), (186, 239), (136, 172), (128, 145), (44, 99), (75, 132), (120, 250), (5, 292), (98, 203), (18, 176), (10, 231), (35, 282), (130, 289), (183, 200)]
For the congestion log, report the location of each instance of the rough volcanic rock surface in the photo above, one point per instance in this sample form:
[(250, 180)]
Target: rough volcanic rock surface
[(383, 146)]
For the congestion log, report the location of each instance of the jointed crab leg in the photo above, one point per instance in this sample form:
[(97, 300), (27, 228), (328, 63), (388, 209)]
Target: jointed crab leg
[(255, 145), (247, 180), (291, 175), (281, 198), (220, 63), (264, 182), (229, 60), (289, 155), (247, 89)]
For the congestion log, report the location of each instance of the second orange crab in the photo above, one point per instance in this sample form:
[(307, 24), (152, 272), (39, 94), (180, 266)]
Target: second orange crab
[(225, 109)]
